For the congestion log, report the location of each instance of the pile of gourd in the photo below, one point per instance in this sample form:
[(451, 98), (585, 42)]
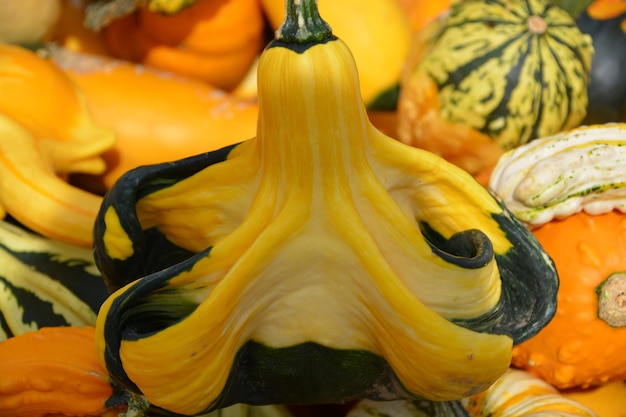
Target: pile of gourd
[(241, 208)]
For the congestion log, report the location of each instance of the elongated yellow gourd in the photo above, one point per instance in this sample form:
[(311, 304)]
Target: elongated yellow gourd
[(318, 262), (46, 133)]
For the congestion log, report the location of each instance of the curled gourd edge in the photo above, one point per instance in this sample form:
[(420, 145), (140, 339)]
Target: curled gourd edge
[(47, 133), (318, 262)]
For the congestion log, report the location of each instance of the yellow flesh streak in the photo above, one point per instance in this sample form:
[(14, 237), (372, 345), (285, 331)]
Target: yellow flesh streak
[(306, 236)]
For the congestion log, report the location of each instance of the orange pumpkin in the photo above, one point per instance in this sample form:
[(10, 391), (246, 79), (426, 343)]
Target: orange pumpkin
[(157, 116), (215, 41), (584, 344)]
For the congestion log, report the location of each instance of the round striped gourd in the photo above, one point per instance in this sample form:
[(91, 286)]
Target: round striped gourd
[(490, 76)]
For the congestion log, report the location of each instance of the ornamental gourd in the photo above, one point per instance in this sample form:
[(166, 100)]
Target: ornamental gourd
[(46, 134), (129, 99), (55, 372), (571, 188), (215, 41), (489, 76), (45, 283), (314, 263), (515, 394), (519, 394)]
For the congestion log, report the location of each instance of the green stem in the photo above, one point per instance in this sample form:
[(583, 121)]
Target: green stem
[(303, 23)]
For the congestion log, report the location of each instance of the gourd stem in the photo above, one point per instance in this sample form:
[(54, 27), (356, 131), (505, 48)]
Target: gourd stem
[(612, 300), (537, 25), (303, 23)]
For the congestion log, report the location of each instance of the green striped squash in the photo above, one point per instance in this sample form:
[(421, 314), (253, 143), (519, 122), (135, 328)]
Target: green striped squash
[(45, 283), (513, 70)]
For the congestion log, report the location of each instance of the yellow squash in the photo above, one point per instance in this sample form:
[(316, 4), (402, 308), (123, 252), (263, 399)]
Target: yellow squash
[(318, 262)]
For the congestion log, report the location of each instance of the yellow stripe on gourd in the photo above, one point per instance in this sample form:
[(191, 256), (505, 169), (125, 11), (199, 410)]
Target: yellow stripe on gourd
[(117, 242)]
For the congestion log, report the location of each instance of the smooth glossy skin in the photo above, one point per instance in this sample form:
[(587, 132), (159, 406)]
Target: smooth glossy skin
[(313, 232), (46, 134)]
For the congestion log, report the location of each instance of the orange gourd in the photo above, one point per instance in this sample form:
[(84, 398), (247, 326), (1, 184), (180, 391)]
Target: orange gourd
[(54, 371), (579, 348), (607, 400), (72, 33), (421, 12), (157, 116), (215, 41)]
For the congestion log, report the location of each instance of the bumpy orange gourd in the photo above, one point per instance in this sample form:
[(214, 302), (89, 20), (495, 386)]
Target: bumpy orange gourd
[(213, 40), (157, 116), (578, 348), (53, 371)]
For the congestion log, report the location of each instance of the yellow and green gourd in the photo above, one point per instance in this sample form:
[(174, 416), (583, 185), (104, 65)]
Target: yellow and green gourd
[(318, 262), (492, 75)]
